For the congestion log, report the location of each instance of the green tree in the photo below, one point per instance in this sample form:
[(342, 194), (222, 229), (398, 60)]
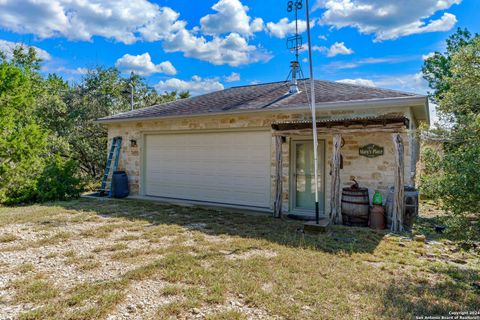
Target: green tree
[(454, 178), (23, 142), (437, 68), (48, 132), (100, 93), (184, 94), (35, 164)]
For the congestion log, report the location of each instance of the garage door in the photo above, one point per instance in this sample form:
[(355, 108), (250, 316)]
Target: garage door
[(221, 167)]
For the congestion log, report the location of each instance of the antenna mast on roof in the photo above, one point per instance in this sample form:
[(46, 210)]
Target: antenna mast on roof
[(294, 44), (132, 90)]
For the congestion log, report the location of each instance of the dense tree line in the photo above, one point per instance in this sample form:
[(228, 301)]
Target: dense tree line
[(453, 175), (50, 146)]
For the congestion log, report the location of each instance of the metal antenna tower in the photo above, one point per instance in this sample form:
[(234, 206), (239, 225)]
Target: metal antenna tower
[(295, 44)]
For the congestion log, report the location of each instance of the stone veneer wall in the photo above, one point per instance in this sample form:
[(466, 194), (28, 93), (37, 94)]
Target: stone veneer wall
[(372, 173), (375, 173)]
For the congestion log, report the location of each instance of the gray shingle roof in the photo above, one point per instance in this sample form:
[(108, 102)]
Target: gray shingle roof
[(268, 96)]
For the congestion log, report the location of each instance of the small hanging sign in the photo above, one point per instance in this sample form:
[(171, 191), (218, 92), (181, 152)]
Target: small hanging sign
[(370, 150)]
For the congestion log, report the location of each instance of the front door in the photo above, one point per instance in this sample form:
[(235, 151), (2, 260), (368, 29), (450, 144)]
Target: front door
[(303, 186)]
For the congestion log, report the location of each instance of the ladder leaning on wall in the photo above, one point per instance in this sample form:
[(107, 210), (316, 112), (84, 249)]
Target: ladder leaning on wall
[(113, 155)]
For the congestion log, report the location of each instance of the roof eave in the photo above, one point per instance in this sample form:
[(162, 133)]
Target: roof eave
[(370, 103)]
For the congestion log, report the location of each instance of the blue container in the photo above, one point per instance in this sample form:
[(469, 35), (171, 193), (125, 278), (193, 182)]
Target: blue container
[(120, 184)]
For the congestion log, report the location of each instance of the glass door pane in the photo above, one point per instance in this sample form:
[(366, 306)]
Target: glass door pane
[(304, 178)]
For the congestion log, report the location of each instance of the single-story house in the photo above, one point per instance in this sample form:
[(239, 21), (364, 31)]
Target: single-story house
[(251, 146)]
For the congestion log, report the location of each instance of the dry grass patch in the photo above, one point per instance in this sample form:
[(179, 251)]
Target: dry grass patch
[(129, 237), (101, 232), (226, 315), (133, 254), (34, 289), (172, 290), (8, 237), (56, 238), (24, 268), (111, 248), (175, 309)]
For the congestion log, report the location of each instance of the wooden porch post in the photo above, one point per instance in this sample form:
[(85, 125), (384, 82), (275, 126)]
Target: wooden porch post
[(277, 206), (398, 197), (335, 201)]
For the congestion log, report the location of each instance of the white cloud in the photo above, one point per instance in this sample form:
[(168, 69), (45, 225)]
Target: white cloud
[(428, 55), (232, 77), (388, 19), (81, 70), (284, 28), (227, 32), (125, 21), (142, 65), (404, 82), (7, 48), (196, 86), (445, 23), (233, 50), (230, 16), (69, 71), (129, 21), (368, 61), (335, 49), (338, 48), (164, 23), (57, 66), (257, 25), (167, 68), (409, 83), (358, 81)]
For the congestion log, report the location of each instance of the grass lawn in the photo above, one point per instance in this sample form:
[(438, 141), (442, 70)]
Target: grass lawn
[(113, 259)]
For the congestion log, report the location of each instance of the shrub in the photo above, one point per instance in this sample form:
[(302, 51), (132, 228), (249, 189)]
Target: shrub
[(59, 181), (431, 173)]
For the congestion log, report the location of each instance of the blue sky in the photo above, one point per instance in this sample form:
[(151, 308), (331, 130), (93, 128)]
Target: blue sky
[(209, 45)]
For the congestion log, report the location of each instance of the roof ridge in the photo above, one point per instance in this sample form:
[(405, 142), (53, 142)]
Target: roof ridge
[(329, 81), (257, 84)]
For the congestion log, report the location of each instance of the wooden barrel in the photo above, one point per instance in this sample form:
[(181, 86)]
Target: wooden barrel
[(355, 205)]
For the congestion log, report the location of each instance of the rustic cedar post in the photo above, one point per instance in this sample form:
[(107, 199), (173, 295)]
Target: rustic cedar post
[(277, 207), (398, 197), (335, 201)]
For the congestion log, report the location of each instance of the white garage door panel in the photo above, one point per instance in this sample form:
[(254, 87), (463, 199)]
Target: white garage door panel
[(223, 167)]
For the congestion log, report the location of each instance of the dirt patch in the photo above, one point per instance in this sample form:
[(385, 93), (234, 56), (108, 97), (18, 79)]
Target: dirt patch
[(254, 253), (142, 301), (233, 304)]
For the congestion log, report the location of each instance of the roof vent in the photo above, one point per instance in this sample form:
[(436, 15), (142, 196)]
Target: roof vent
[(294, 65)]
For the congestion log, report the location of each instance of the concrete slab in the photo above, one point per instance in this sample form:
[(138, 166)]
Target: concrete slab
[(312, 226)]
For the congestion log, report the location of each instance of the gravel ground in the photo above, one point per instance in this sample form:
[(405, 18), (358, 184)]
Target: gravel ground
[(102, 259), (31, 253)]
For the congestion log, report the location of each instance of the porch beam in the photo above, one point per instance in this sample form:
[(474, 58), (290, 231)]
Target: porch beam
[(332, 123), (335, 201), (277, 206), (339, 131), (398, 196)]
